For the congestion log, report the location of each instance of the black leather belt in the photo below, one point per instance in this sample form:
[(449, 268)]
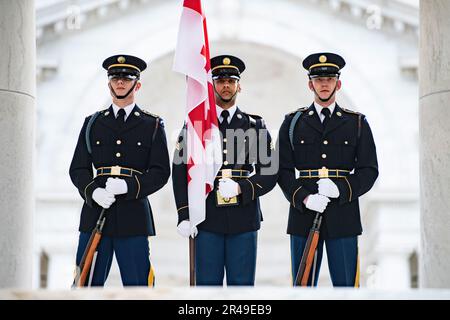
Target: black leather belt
[(117, 171), (323, 173), (231, 173)]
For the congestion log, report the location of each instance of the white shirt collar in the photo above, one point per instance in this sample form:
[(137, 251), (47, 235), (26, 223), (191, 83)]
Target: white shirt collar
[(231, 110), (127, 109), (319, 109)]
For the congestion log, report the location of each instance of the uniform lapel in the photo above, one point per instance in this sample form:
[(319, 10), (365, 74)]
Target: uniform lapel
[(238, 121), (133, 119), (312, 119), (337, 119), (108, 119)]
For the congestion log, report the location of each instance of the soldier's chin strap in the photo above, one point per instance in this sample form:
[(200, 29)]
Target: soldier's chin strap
[(225, 100), (327, 99), (330, 96), (122, 97)]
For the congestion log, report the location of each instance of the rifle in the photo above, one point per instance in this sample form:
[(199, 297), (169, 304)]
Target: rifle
[(90, 254), (309, 254)]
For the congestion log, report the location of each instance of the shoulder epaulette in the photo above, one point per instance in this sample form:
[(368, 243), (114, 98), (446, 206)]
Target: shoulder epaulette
[(351, 111), (99, 112), (254, 116), (303, 109), (150, 114)]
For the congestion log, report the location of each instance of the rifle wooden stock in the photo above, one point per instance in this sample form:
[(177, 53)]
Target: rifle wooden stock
[(309, 259), (306, 261), (83, 268), (302, 266), (89, 257)]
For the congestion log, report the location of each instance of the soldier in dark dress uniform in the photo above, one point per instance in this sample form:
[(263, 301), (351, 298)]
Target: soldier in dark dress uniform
[(121, 157), (227, 238), (333, 150)]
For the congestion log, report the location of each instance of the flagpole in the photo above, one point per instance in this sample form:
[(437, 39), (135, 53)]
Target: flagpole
[(191, 262), (192, 58)]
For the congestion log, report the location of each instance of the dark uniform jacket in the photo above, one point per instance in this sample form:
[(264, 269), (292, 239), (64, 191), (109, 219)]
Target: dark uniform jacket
[(247, 215), (347, 143), (132, 146)]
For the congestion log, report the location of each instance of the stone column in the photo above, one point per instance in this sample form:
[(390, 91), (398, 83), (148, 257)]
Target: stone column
[(434, 123), (17, 115)]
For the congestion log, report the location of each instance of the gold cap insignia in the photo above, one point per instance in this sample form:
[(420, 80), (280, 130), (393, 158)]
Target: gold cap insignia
[(121, 59), (323, 59), (226, 61)]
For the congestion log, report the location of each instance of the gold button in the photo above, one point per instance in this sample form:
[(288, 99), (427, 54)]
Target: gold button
[(324, 156), (303, 141), (119, 142), (118, 154), (137, 114), (98, 142), (225, 162), (139, 143), (224, 139), (346, 142), (325, 142), (225, 151)]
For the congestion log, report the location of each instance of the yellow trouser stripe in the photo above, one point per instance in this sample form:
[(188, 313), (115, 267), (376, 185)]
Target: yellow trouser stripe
[(357, 271), (151, 277), (151, 272)]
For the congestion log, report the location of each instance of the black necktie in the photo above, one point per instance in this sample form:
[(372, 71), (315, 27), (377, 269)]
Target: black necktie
[(326, 112), (223, 125), (120, 118)]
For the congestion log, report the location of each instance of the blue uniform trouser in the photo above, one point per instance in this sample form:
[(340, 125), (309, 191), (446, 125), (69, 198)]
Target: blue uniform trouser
[(132, 255), (233, 253), (342, 254)]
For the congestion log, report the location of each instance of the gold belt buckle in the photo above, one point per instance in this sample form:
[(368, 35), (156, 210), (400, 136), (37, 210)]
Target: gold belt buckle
[(227, 173), (115, 171), (323, 173)]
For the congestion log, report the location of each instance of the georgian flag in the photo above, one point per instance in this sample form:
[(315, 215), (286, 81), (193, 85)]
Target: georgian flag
[(203, 136)]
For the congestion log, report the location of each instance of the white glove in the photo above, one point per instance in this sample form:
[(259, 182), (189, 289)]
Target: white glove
[(103, 198), (116, 186), (328, 188), (316, 202), (228, 188), (184, 229)]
